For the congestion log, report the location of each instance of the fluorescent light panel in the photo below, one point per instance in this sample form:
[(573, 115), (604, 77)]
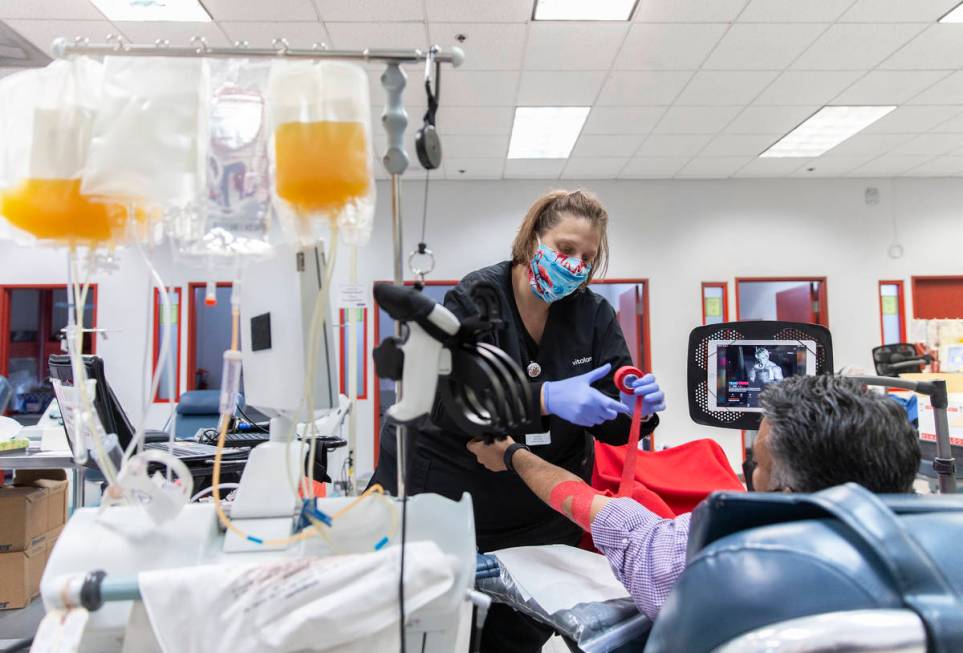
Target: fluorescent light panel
[(546, 132), (187, 11), (954, 15), (584, 9), (824, 130)]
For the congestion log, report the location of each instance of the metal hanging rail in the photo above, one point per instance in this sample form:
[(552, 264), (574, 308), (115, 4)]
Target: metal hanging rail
[(63, 47)]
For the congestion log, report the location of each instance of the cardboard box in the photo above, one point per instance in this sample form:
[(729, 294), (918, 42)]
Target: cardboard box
[(35, 505), (20, 574)]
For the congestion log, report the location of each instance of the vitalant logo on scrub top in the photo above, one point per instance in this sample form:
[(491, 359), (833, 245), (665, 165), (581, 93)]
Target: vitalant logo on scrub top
[(581, 361)]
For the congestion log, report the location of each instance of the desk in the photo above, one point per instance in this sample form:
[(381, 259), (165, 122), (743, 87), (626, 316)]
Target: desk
[(36, 459)]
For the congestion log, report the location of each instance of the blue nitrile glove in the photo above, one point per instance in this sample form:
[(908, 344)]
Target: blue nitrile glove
[(576, 401), (653, 399)]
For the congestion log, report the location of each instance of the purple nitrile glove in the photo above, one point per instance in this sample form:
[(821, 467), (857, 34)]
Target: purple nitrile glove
[(653, 399), (576, 401)]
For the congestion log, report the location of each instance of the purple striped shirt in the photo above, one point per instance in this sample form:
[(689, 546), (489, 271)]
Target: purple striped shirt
[(646, 552)]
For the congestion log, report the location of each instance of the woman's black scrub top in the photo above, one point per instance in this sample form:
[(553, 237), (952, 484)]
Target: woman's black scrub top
[(581, 333)]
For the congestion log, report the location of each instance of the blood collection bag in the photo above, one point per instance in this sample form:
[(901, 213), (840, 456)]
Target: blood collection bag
[(46, 120), (322, 154), (234, 218), (149, 138)]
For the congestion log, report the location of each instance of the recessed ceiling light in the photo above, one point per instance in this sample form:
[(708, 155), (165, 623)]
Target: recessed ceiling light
[(824, 130), (584, 9), (188, 11), (546, 132), (954, 15)]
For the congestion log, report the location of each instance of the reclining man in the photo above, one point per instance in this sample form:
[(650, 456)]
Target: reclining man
[(816, 432)]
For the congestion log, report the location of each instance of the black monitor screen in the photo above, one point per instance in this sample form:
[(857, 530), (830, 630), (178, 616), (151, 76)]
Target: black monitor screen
[(743, 369)]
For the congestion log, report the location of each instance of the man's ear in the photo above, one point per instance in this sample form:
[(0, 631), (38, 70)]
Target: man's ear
[(788, 490)]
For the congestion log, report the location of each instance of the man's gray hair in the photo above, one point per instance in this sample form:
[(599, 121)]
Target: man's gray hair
[(828, 430)]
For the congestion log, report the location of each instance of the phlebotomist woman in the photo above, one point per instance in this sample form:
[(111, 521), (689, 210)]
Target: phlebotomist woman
[(568, 341)]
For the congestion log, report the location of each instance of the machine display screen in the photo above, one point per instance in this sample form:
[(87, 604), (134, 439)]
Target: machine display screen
[(739, 370)]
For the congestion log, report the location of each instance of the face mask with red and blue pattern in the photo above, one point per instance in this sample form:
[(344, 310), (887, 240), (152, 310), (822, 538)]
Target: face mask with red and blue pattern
[(553, 275)]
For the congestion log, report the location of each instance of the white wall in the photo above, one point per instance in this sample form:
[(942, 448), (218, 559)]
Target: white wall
[(674, 233)]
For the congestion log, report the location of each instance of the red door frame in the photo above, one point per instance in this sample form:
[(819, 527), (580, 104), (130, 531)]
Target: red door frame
[(343, 351), (192, 327), (5, 316), (914, 282), (901, 308), (725, 298), (156, 354), (823, 292), (643, 323)]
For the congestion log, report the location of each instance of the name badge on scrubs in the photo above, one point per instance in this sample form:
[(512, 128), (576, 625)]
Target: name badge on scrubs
[(536, 439)]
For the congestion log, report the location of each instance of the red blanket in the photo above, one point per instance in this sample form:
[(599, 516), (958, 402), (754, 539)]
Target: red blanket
[(668, 482)]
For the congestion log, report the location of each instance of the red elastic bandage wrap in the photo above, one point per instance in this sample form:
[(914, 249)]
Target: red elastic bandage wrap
[(581, 494)]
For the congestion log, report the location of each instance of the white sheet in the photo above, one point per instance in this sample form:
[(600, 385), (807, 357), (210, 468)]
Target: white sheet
[(559, 577), (338, 603)]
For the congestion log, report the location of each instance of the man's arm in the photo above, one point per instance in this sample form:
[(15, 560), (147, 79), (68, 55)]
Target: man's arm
[(555, 486), (645, 551)]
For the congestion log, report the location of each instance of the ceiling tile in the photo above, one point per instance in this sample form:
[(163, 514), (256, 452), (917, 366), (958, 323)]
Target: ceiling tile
[(888, 166), (624, 88), (952, 126), (283, 10), (262, 35), (622, 120), (579, 45), (941, 166), (560, 89), (379, 11), (534, 168), (475, 120), (913, 119), (807, 87), (771, 167), (770, 120), (897, 11), (892, 87), (594, 168), (792, 11), (720, 88), (762, 47), (739, 144), (489, 46), (855, 47), (462, 146), (607, 145), (479, 88), (177, 33), (713, 168), (358, 36), (653, 167), (940, 47), (651, 46), (49, 10), (688, 11), (474, 168), (472, 11), (864, 144), (695, 120), (43, 32), (947, 91), (672, 145), (831, 166), (931, 144)]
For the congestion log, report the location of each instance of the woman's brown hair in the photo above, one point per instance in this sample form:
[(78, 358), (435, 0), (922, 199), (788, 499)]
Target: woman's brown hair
[(547, 211)]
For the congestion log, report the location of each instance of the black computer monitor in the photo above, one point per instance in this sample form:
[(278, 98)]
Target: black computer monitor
[(108, 408)]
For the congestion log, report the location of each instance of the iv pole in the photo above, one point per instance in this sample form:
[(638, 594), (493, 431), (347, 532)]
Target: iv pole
[(394, 118)]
